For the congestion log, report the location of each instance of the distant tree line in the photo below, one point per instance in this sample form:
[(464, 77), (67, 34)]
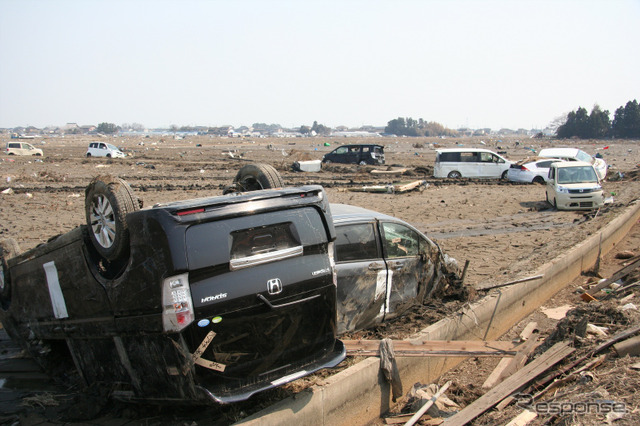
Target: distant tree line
[(598, 125), (409, 127)]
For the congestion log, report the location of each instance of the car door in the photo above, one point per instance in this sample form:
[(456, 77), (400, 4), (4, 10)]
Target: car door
[(490, 166), (405, 265), (361, 274)]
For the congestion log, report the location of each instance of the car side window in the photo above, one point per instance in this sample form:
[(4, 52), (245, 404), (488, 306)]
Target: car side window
[(341, 150), (356, 242), (102, 146), (400, 241)]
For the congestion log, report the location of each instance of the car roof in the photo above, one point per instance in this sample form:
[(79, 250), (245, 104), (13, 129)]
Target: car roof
[(362, 144), (464, 150), (571, 164), (559, 152), (346, 213)]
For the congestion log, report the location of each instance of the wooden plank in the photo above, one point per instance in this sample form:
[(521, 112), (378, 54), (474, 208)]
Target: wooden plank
[(512, 384), (528, 330), (432, 348), (508, 366), (523, 418), (495, 375)]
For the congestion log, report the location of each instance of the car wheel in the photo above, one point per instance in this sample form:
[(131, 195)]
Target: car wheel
[(454, 175), (555, 204), (504, 175), (254, 177), (108, 155), (108, 200), (539, 179), (326, 161), (11, 153), (8, 249), (363, 163), (88, 154)]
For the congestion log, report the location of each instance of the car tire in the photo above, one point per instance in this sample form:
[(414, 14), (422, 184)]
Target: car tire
[(363, 163), (8, 249), (538, 179), (454, 175), (88, 155), (254, 177), (108, 200), (555, 204), (504, 175), (108, 155)]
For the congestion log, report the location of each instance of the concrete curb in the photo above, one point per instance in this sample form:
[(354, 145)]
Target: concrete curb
[(360, 394)]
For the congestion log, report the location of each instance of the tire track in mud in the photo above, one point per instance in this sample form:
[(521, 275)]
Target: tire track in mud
[(521, 222)]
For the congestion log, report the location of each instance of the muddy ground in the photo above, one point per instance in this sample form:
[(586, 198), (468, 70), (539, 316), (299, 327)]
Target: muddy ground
[(505, 231)]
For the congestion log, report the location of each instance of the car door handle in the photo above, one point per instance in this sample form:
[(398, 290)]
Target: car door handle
[(396, 265), (376, 266)]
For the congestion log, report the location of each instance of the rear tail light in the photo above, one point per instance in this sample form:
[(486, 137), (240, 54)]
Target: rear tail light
[(177, 306)]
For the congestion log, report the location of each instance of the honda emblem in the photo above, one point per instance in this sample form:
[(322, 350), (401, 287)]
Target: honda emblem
[(274, 286)]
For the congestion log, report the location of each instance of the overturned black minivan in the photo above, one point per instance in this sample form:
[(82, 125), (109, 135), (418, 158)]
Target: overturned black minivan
[(210, 299)]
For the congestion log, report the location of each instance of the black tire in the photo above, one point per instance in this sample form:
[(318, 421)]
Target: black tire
[(108, 200), (539, 179), (454, 175), (504, 175), (254, 177), (363, 163), (555, 204), (108, 155), (88, 154), (8, 249)]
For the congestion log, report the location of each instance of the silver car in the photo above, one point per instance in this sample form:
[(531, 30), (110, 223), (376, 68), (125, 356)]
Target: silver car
[(384, 266)]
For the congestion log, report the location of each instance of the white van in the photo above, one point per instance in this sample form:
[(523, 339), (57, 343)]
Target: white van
[(101, 149), (22, 148), (470, 163), (574, 185)]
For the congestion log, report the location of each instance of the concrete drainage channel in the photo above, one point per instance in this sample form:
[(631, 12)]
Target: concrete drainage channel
[(360, 394)]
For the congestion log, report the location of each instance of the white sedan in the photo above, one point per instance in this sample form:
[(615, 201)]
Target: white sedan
[(531, 170)]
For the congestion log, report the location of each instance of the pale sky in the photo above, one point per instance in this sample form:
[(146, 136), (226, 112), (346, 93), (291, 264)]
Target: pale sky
[(497, 64)]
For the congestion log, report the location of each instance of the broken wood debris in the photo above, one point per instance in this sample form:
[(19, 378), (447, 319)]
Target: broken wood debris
[(589, 295), (398, 188), (428, 404), (414, 348), (509, 366), (513, 384)]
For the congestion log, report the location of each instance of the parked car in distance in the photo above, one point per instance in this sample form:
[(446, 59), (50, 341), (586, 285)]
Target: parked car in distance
[(102, 149), (575, 154), (458, 163), (204, 300), (384, 267), (531, 170), (22, 148), (574, 185), (356, 154)]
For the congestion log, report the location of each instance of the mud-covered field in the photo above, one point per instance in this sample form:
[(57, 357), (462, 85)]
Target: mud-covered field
[(505, 231)]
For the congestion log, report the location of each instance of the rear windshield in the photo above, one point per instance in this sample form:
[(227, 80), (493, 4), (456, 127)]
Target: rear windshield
[(257, 242)]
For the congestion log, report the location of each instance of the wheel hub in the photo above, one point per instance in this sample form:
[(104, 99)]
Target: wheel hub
[(103, 222)]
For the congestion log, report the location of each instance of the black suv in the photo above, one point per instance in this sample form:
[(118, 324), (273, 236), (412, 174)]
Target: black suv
[(211, 299), (356, 154)]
